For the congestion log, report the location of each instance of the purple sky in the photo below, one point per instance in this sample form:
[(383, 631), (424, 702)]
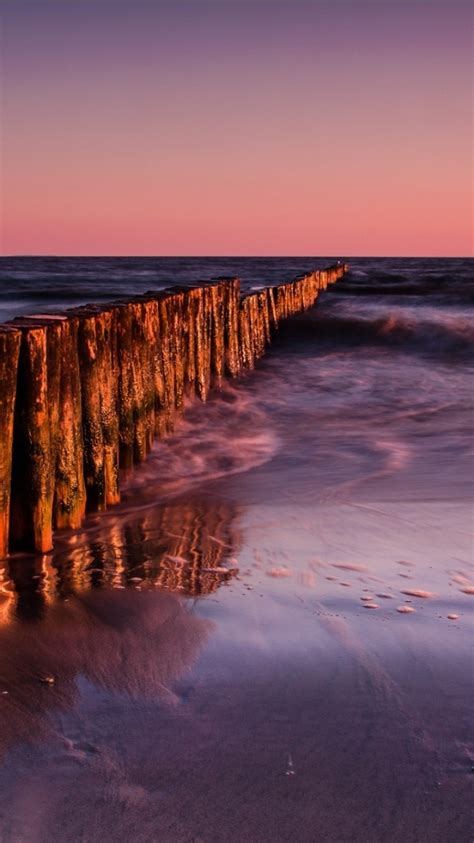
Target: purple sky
[(237, 128)]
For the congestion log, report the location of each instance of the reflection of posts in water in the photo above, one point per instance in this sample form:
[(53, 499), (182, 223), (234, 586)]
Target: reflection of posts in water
[(7, 595), (34, 586), (182, 547), (176, 547), (119, 640), (199, 541), (122, 642)]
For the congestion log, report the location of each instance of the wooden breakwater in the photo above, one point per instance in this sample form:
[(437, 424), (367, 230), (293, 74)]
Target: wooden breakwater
[(84, 392)]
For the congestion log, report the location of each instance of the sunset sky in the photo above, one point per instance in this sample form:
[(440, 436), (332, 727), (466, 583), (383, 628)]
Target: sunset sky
[(237, 128)]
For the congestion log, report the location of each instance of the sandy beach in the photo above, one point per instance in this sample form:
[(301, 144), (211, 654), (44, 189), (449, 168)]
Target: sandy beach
[(278, 707)]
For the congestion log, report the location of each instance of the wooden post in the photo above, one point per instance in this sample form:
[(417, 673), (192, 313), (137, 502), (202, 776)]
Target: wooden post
[(231, 325), (218, 331), (70, 492), (203, 343), (263, 302), (245, 334), (167, 363), (143, 384), (36, 434), (174, 307), (9, 353), (272, 308), (98, 374), (125, 385), (158, 361)]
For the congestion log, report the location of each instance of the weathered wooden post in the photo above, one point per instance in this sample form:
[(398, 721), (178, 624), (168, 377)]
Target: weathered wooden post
[(97, 359), (263, 304), (168, 396), (272, 309), (217, 291), (143, 380), (174, 303), (190, 297), (9, 353), (245, 335), (231, 325), (256, 326), (70, 492), (203, 343), (36, 434), (125, 385), (159, 364)]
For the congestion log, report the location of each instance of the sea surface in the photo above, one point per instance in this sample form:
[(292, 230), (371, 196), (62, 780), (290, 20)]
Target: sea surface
[(271, 638)]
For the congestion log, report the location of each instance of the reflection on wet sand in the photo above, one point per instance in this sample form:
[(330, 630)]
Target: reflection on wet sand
[(71, 615), (183, 547), (121, 642)]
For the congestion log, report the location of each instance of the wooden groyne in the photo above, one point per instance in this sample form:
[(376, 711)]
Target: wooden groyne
[(84, 392)]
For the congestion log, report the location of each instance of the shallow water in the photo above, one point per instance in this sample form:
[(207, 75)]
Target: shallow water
[(228, 652)]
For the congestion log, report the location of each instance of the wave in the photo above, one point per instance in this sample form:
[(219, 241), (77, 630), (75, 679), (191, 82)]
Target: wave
[(437, 290), (56, 294), (439, 287), (228, 435), (448, 337)]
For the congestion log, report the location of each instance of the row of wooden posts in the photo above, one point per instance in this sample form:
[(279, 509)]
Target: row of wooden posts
[(84, 392)]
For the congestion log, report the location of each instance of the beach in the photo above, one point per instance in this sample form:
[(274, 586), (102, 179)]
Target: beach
[(270, 638)]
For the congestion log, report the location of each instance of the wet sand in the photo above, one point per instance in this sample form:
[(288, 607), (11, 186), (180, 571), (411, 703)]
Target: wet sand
[(273, 708)]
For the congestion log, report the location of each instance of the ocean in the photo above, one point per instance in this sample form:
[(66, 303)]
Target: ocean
[(270, 638)]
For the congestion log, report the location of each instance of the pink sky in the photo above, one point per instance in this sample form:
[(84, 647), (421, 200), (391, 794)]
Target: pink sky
[(238, 129)]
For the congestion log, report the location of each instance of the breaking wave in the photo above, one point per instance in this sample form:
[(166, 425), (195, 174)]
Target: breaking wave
[(448, 337)]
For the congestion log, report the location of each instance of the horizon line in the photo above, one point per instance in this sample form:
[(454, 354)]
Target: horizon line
[(234, 256)]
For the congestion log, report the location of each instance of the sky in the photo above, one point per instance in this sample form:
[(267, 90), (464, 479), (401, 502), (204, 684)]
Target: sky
[(234, 128)]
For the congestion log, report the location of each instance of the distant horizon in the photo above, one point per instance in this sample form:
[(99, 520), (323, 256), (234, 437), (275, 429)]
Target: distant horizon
[(240, 257)]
